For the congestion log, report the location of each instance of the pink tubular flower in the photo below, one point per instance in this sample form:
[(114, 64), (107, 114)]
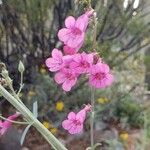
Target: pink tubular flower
[(100, 76), (67, 78), (73, 34), (82, 62), (55, 62), (4, 126), (74, 122)]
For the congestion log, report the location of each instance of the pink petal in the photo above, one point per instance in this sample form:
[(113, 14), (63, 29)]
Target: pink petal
[(81, 115), (71, 116), (94, 69), (74, 65), (92, 81), (66, 124), (66, 87), (70, 22), (12, 117), (69, 50), (82, 22), (2, 131), (100, 84), (50, 62), (76, 129), (109, 79), (53, 64), (68, 84), (75, 41), (64, 35), (57, 54), (79, 46), (104, 68), (59, 77), (89, 58)]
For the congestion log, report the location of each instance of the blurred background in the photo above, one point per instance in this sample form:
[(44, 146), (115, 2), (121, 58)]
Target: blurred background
[(28, 32)]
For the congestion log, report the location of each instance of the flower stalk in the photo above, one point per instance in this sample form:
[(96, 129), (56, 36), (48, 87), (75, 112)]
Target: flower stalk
[(92, 89), (51, 139), (92, 117)]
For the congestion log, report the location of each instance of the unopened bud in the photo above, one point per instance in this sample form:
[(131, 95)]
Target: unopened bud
[(21, 67)]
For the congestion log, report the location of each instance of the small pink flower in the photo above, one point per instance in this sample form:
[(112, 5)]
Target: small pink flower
[(55, 62), (82, 62), (73, 34), (4, 126), (74, 122), (100, 76), (67, 78)]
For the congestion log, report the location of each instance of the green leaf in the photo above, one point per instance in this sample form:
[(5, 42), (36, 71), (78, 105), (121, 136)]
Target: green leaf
[(35, 109), (24, 134)]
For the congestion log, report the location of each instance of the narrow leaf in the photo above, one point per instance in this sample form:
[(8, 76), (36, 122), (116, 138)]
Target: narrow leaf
[(24, 134), (35, 109)]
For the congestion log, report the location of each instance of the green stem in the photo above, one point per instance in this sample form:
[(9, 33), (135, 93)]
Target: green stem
[(51, 139), (92, 89), (92, 118), (21, 83), (94, 31)]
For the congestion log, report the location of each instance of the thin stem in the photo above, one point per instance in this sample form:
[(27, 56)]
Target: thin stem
[(17, 122), (94, 31), (51, 139), (21, 83), (144, 142), (92, 89), (92, 117), (14, 93)]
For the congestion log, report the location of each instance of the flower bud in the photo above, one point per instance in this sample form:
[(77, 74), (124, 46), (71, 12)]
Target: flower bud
[(21, 67)]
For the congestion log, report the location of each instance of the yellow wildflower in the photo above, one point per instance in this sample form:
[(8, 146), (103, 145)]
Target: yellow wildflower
[(31, 93), (54, 130), (103, 100), (46, 124), (59, 106), (43, 70), (124, 136)]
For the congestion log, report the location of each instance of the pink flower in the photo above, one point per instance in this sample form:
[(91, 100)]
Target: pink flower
[(67, 78), (73, 34), (100, 76), (82, 62), (74, 122), (4, 126), (55, 62)]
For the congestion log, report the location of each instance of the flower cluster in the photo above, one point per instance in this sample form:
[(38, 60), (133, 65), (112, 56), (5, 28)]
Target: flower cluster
[(70, 65)]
